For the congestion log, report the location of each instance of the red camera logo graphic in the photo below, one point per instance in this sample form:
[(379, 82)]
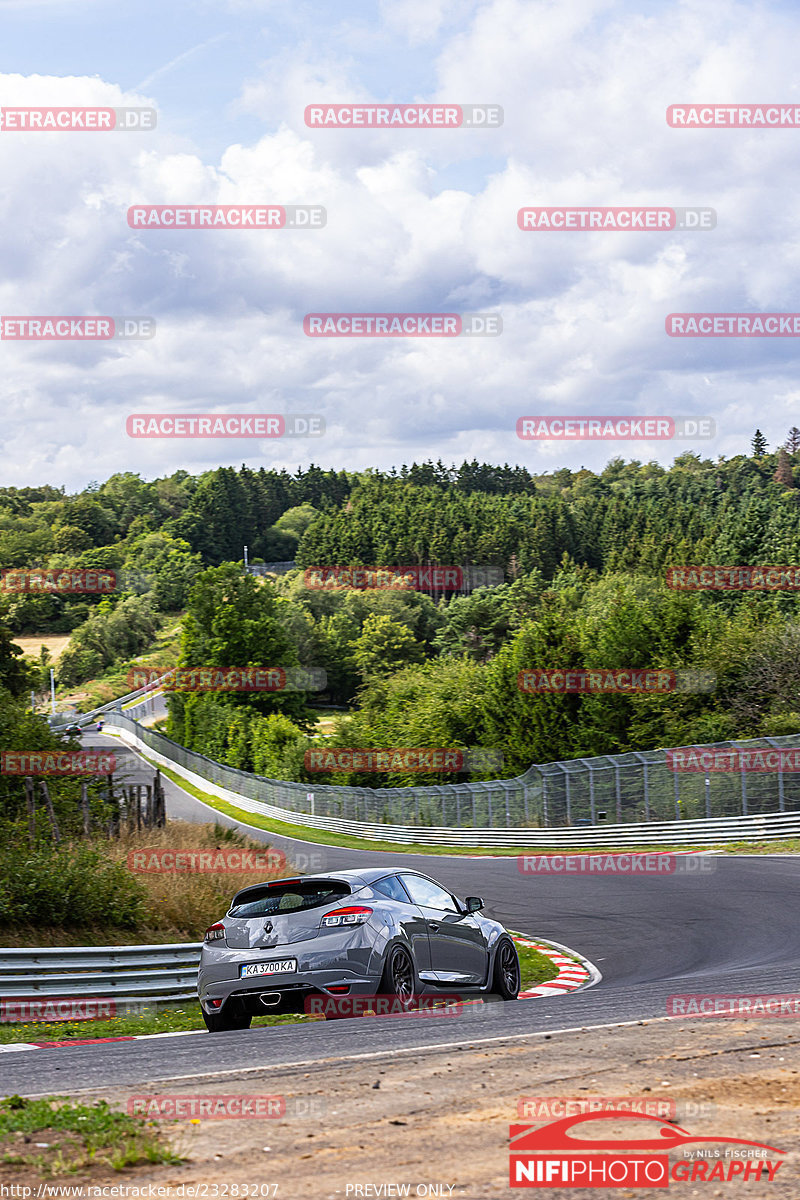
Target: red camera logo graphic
[(553, 1156)]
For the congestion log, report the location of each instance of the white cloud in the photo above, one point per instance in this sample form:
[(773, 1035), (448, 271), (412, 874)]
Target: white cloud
[(584, 87)]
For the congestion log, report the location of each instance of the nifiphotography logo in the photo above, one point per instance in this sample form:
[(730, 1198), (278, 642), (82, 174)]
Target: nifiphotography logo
[(552, 1156)]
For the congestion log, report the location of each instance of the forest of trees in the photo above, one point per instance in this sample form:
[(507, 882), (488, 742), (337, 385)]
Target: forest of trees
[(583, 556)]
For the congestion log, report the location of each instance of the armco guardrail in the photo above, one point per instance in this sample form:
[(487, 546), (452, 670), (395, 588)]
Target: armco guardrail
[(124, 973), (280, 800)]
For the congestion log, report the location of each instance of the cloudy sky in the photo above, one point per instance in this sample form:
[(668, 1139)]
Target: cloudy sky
[(418, 220)]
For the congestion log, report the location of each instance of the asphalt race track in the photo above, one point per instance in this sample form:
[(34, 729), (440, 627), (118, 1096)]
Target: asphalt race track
[(732, 928)]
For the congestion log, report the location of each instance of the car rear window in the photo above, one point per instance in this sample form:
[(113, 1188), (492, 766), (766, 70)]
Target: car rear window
[(265, 899)]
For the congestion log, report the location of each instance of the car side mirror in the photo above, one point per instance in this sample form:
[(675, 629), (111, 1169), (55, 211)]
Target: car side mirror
[(474, 903)]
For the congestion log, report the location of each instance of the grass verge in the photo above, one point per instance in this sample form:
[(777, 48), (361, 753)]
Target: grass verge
[(54, 1137), (775, 846)]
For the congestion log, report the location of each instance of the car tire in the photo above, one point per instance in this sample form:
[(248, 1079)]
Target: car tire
[(398, 979), (506, 979), (222, 1022)]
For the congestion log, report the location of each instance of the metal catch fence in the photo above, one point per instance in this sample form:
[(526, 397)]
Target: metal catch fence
[(635, 788)]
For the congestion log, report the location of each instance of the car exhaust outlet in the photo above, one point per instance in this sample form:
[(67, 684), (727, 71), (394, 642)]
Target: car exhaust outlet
[(270, 999)]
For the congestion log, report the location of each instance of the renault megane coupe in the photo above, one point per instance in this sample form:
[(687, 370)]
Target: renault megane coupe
[(366, 933)]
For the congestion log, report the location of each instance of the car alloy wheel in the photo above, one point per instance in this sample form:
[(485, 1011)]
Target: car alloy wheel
[(399, 977), (506, 971)]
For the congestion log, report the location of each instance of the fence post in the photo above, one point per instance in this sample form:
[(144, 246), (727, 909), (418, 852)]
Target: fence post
[(50, 811), (161, 800), (744, 793), (591, 794), (545, 813), (85, 807), (619, 796), (30, 804), (677, 798), (646, 792)]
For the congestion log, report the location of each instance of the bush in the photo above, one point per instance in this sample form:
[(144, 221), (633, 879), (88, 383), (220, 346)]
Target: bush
[(67, 886)]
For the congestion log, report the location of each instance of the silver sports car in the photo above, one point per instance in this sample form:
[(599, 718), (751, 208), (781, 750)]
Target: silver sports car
[(289, 944)]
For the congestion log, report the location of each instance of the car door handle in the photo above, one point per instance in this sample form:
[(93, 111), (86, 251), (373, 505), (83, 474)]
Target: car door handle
[(434, 925)]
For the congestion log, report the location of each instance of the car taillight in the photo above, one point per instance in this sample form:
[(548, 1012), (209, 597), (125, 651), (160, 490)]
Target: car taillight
[(355, 915), (215, 933)]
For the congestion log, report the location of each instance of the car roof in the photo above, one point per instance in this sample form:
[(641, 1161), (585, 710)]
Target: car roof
[(364, 874)]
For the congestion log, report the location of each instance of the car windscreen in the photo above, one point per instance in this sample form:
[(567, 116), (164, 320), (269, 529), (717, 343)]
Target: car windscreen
[(293, 896)]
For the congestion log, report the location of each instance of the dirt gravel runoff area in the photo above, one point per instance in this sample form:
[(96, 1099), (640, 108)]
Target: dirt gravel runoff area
[(436, 1123)]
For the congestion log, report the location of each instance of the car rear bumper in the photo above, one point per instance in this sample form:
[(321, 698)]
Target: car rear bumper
[(345, 961)]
